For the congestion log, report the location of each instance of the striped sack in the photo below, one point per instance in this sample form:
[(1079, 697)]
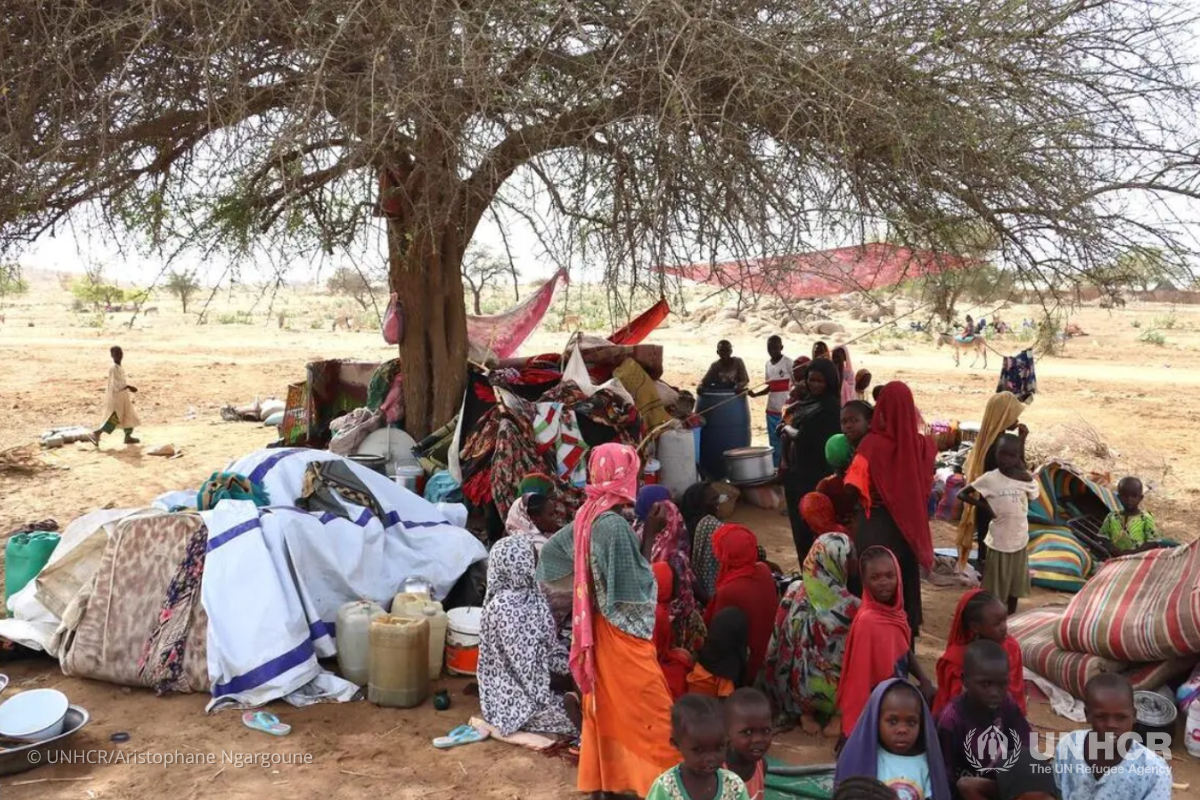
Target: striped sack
[(1057, 560), (1034, 631), (1141, 607)]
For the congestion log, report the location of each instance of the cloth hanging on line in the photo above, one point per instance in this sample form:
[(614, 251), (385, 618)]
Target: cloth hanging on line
[(1017, 375), (643, 326), (503, 333)]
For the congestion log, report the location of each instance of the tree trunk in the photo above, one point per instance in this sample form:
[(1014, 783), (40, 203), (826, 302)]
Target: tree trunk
[(425, 273), (478, 305)]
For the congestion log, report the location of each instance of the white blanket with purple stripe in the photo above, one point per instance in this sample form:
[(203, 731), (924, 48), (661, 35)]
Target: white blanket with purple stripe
[(275, 577)]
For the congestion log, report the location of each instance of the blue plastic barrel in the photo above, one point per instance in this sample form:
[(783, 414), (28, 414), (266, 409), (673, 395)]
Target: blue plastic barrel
[(726, 427)]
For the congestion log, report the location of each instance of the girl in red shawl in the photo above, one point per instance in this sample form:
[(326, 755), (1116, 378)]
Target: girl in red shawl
[(880, 642), (978, 616), (745, 583), (891, 477), (675, 662)]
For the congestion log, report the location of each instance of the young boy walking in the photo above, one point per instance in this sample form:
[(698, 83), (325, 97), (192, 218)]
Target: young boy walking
[(118, 402)]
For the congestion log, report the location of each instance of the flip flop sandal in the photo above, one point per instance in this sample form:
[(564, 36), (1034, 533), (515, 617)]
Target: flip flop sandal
[(266, 722), (3, 682), (463, 734)]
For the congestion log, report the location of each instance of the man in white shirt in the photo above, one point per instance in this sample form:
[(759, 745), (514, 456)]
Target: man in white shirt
[(779, 384)]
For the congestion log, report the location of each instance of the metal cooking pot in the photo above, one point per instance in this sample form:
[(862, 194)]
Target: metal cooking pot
[(749, 464)]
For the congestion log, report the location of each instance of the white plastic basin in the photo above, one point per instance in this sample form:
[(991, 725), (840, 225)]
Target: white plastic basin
[(34, 715)]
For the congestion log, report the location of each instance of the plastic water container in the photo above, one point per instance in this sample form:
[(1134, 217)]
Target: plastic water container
[(399, 662), (651, 471), (727, 427), (676, 451), (353, 639), (1191, 736), (462, 640), (407, 604), (24, 556), (411, 477)]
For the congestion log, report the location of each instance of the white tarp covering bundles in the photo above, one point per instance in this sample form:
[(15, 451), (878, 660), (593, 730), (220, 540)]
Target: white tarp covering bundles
[(275, 577)]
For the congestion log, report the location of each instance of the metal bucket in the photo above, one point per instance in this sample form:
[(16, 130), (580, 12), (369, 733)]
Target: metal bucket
[(746, 465)]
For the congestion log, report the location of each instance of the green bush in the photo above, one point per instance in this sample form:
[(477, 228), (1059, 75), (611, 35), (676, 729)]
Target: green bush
[(1154, 337), (97, 320), (318, 324), (1167, 321), (236, 318)]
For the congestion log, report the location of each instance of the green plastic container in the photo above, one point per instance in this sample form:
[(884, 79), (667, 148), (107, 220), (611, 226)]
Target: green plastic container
[(24, 556)]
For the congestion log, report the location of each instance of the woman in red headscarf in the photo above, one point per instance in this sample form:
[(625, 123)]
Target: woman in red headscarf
[(890, 478), (745, 583)]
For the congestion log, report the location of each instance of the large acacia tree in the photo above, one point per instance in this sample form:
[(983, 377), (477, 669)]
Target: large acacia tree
[(653, 129)]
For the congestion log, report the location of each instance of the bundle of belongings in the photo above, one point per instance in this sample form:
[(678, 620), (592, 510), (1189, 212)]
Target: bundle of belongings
[(1058, 558), (235, 589), (1139, 615)]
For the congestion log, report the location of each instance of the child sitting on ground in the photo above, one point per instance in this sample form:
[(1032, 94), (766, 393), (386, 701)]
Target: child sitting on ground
[(1130, 530), (748, 719), (720, 666), (967, 726), (895, 742), (1127, 770), (1006, 492), (880, 640), (978, 616), (698, 733)]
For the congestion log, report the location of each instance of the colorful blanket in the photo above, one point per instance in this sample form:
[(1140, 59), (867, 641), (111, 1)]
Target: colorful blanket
[(1057, 560), (1141, 607)]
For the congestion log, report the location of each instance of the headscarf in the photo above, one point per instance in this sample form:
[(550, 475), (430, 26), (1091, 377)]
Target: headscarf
[(725, 650), (518, 522), (901, 466), (950, 665), (811, 406), (672, 547), (736, 549), (612, 481), (515, 635), (838, 451), (879, 640), (860, 756), (820, 350), (694, 506), (862, 381), (536, 483), (647, 496), (847, 387), (1002, 412), (819, 513)]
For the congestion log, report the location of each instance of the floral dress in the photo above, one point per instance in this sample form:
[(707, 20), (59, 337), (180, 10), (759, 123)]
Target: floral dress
[(804, 659)]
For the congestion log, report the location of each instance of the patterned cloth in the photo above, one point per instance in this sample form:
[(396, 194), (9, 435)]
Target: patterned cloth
[(671, 547), (519, 647), (516, 455), (559, 439), (704, 563), (1129, 532), (1018, 376), (230, 486), (669, 786), (804, 660), (1141, 775), (161, 664), (326, 483)]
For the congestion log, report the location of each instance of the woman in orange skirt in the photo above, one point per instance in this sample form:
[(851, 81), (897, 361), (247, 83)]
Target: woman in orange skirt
[(626, 742)]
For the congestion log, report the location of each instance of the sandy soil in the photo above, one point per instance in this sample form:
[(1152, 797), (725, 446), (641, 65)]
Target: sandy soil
[(1110, 404)]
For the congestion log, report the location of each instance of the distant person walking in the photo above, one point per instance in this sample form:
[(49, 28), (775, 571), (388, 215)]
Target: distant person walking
[(118, 403)]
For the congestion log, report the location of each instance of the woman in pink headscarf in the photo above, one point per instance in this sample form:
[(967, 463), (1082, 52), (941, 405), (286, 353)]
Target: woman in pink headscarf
[(841, 358), (626, 704)]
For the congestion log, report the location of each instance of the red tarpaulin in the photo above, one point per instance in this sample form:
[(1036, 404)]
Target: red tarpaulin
[(643, 326), (824, 273)]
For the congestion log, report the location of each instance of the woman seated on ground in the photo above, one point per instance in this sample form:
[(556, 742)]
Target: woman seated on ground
[(699, 508), (804, 660), (721, 663), (747, 584), (672, 546), (523, 672)]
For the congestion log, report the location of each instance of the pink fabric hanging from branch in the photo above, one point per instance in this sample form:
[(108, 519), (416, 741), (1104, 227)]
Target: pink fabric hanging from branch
[(501, 333)]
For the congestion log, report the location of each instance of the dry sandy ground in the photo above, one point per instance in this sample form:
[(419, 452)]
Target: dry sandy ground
[(1139, 399)]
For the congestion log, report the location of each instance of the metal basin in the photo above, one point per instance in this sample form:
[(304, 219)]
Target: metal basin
[(745, 465), (17, 759)]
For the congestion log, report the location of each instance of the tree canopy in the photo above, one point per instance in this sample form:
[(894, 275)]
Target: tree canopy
[(657, 130), (182, 285)]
